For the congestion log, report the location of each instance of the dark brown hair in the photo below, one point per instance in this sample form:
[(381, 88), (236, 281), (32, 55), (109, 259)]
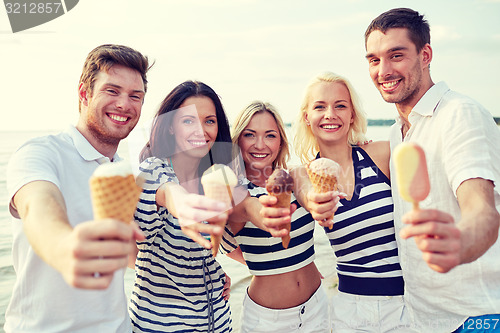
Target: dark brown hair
[(418, 28), (162, 143), (103, 57)]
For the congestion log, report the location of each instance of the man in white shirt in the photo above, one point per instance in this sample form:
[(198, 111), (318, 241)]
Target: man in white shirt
[(451, 267), (70, 267)]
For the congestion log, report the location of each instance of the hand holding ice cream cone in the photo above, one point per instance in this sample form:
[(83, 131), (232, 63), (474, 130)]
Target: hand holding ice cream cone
[(218, 183), (280, 186), (323, 173)]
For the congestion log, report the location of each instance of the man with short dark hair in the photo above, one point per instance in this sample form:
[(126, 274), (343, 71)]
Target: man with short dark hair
[(69, 266), (451, 267)]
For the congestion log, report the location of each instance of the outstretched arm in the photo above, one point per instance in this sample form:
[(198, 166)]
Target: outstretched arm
[(247, 210), (77, 253), (322, 206), (191, 210), (275, 219), (446, 244), (237, 255)]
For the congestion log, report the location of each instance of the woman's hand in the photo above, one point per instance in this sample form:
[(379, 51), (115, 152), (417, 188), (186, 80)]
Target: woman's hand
[(227, 288), (323, 206), (195, 210), (275, 219)]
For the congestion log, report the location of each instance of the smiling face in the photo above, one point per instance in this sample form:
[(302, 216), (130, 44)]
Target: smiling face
[(396, 68), (113, 109), (260, 143), (194, 126), (329, 112)]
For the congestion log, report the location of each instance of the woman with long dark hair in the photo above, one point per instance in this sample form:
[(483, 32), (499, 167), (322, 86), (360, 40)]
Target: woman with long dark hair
[(179, 285)]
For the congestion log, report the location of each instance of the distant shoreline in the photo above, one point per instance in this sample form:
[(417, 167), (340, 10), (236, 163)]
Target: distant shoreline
[(381, 122)]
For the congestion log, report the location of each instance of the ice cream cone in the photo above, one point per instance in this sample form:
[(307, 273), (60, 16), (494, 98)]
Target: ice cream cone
[(218, 183), (114, 196), (322, 183), (280, 185), (323, 175), (221, 193), (284, 202)]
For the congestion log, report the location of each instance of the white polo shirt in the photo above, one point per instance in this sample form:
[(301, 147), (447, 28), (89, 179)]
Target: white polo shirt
[(461, 141), (41, 300)]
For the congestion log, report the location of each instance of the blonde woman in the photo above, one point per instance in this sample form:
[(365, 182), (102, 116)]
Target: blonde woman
[(285, 294), (329, 125)]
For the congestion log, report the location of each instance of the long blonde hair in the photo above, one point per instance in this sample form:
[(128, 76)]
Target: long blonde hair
[(244, 118), (306, 145)]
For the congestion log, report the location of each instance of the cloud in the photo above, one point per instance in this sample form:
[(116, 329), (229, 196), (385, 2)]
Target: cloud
[(441, 33)]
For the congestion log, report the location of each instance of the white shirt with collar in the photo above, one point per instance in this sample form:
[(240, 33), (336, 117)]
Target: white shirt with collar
[(41, 300), (461, 141)]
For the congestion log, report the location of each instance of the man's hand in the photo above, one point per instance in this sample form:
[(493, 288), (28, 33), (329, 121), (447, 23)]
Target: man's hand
[(436, 235), (446, 243), (86, 255), (94, 250)]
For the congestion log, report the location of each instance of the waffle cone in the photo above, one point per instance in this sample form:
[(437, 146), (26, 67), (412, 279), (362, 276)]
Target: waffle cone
[(114, 197), (285, 240), (222, 193), (284, 202), (322, 182)]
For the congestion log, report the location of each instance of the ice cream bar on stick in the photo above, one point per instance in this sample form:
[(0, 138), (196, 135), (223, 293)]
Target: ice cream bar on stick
[(218, 182), (280, 185), (411, 172), (114, 191), (323, 173)]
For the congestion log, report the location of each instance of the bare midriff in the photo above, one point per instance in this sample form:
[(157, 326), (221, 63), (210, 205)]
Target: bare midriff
[(287, 290)]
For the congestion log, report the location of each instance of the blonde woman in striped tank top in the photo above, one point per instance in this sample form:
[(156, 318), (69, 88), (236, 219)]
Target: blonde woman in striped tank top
[(330, 124), (285, 294)]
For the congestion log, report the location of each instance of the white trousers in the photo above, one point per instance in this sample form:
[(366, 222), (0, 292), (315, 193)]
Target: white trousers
[(354, 313), (311, 316)]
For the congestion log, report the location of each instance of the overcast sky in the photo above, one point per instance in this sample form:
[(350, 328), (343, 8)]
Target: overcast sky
[(244, 49)]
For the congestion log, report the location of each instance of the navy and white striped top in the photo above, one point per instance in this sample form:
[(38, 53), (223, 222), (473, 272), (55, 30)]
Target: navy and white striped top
[(263, 253), (363, 234), (178, 285)]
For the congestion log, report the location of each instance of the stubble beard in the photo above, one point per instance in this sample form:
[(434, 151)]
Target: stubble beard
[(408, 94), (101, 133)]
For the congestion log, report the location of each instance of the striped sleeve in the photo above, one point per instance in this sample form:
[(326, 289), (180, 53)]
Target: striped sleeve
[(228, 243), (155, 172)]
